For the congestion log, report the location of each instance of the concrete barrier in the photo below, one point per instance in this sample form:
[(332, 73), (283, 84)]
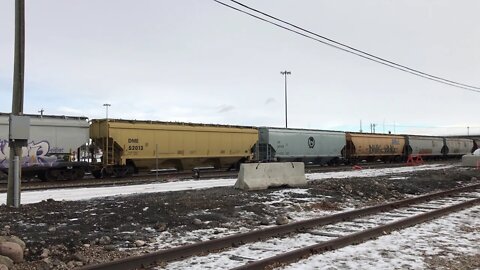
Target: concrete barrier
[(471, 161), (258, 176)]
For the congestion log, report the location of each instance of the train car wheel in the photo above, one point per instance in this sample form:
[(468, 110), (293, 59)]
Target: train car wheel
[(121, 171), (41, 176), (51, 175), (78, 173), (97, 174), (130, 170)]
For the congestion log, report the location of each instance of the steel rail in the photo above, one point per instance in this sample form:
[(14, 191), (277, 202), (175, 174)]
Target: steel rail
[(354, 238), (105, 182), (147, 178), (242, 238)]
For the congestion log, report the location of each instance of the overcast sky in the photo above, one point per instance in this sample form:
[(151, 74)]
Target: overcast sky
[(197, 61)]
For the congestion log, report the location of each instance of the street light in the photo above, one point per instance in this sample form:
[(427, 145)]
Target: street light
[(105, 159), (106, 107), (285, 73)]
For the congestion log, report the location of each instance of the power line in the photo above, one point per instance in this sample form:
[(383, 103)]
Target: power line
[(346, 48), (455, 127), (352, 48), (426, 126)]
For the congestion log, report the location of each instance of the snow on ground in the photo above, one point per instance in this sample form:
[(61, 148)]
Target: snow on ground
[(72, 194), (447, 237), (167, 240), (375, 172)]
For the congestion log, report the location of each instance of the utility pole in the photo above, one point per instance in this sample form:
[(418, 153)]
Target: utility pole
[(17, 101), (285, 73)]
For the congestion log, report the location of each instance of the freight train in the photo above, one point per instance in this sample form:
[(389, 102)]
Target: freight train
[(57, 148)]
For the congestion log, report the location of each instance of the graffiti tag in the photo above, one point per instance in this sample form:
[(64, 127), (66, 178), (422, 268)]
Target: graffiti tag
[(35, 153), (381, 149)]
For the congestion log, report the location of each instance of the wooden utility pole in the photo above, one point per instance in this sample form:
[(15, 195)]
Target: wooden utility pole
[(17, 101)]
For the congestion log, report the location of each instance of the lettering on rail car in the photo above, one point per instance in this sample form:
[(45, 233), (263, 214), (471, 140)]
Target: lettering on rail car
[(135, 147), (132, 140)]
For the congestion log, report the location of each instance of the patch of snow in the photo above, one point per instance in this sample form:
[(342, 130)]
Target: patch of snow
[(376, 172), (406, 249), (282, 192), (398, 178), (73, 194)]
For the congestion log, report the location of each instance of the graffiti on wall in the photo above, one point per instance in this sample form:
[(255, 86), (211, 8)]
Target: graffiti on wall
[(384, 149), (34, 154)]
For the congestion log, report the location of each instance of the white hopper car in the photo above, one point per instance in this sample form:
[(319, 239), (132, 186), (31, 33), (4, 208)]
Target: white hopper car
[(53, 147)]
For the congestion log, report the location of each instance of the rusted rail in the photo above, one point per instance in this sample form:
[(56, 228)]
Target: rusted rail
[(256, 235), (354, 238), (147, 178), (133, 180)]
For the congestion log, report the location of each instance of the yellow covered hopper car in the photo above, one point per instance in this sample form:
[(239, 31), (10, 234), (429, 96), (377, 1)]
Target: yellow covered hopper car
[(147, 145), (365, 146)]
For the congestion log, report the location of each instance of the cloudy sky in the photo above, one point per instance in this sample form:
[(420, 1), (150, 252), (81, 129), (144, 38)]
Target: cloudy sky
[(198, 61)]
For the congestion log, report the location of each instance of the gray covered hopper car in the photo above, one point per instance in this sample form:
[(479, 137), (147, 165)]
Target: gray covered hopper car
[(458, 146), (52, 150), (426, 146), (310, 146)]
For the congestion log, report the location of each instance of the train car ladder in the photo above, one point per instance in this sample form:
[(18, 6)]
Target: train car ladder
[(109, 152)]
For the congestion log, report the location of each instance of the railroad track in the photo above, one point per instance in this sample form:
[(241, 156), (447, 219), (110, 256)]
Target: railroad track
[(147, 178), (132, 180), (279, 245)]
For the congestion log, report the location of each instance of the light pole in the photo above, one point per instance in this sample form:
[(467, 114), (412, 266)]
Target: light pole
[(105, 159), (106, 108), (285, 73)]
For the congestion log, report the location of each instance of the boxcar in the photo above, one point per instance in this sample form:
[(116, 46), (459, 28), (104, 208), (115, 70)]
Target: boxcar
[(458, 146), (53, 147), (426, 146), (309, 146), (370, 147), (130, 145)]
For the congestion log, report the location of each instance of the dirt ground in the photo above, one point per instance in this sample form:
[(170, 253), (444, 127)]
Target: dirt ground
[(64, 235)]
